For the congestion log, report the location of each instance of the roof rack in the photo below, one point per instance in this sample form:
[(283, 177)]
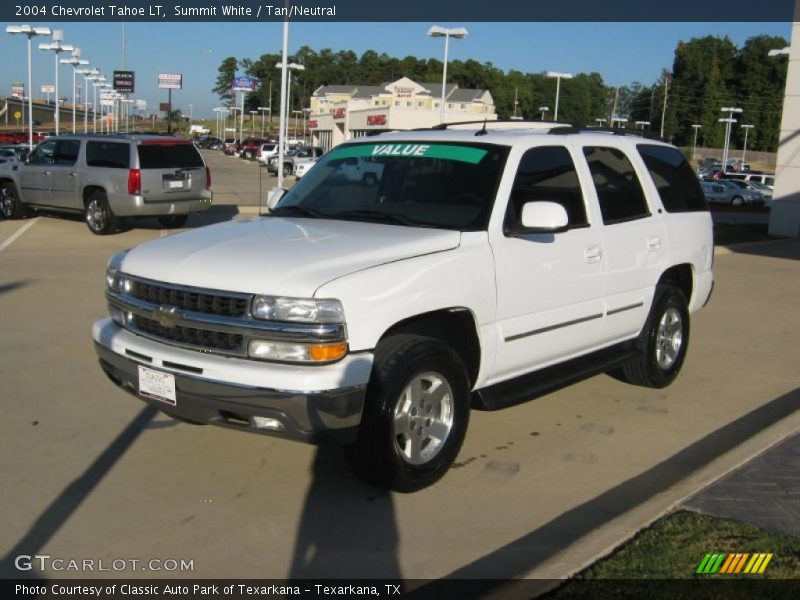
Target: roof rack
[(573, 129), (517, 124)]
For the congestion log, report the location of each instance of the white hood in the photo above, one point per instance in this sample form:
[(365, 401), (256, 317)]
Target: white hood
[(278, 255)]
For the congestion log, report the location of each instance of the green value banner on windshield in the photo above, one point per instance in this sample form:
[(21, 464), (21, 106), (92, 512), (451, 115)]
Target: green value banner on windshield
[(404, 150)]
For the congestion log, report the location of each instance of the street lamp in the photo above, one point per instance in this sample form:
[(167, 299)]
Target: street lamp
[(261, 109), (253, 114), (191, 114), (98, 81), (747, 129), (56, 47), (779, 52), (600, 121), (619, 120), (544, 110), (558, 77), (729, 121), (643, 124), (289, 67), (458, 33), (296, 112), (75, 60), (88, 75), (696, 128), (29, 32)]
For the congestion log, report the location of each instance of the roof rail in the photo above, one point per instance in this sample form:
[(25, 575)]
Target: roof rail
[(516, 122), (573, 129)]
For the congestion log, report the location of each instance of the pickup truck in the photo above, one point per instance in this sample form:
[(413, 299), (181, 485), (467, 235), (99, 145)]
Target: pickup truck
[(485, 265)]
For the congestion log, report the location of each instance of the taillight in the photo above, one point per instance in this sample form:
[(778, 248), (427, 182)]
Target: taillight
[(134, 181), (208, 178)]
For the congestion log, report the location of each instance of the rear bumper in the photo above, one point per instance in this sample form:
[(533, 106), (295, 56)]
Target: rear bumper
[(314, 417), (140, 206)]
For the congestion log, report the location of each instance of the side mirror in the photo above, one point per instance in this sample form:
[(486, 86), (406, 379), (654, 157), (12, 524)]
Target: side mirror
[(274, 196), (543, 217)]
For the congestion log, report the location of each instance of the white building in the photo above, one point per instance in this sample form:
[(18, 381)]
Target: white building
[(343, 112)]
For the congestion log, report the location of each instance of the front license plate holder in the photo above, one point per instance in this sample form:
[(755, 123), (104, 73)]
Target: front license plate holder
[(157, 385)]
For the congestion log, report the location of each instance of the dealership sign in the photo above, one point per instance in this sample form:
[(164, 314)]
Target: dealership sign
[(339, 113), (123, 82), (376, 120), (17, 90), (244, 84), (312, 123), (48, 88), (170, 81)]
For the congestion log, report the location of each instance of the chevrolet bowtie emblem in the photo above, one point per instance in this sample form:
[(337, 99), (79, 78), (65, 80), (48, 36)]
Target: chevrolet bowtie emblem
[(167, 316)]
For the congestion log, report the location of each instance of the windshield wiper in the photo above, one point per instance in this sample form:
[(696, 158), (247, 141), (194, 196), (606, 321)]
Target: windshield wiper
[(298, 210), (384, 216)]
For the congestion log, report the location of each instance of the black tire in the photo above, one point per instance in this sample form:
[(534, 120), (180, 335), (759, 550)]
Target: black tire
[(287, 170), (379, 454), (173, 221), (99, 217), (659, 361), (737, 201), (10, 205)]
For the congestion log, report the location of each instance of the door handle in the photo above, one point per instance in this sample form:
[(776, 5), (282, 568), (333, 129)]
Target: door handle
[(45, 172), (72, 173), (654, 242), (592, 254)]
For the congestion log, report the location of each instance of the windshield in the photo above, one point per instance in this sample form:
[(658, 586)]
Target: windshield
[(448, 186)]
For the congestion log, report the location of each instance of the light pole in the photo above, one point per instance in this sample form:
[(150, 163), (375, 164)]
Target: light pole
[(458, 33), (285, 124), (643, 124), (191, 115), (29, 32), (696, 128), (600, 121), (729, 121), (544, 110), (88, 76), (620, 121), (558, 77), (296, 112), (75, 60), (99, 80), (747, 129), (56, 47), (262, 109), (253, 114)]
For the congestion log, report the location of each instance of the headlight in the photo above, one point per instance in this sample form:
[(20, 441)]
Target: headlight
[(300, 310), (118, 281)]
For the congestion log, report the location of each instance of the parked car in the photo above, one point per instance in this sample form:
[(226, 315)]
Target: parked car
[(291, 159), (8, 155), (107, 177), (250, 147), (734, 194), (475, 272), (229, 145), (208, 142), (766, 191), (267, 151), (767, 179)]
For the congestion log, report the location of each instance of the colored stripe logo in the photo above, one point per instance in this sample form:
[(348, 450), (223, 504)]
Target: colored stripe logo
[(734, 563)]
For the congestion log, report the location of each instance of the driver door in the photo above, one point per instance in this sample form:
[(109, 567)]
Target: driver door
[(35, 174)]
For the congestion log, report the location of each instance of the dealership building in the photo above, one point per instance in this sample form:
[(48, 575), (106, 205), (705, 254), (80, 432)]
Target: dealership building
[(343, 112)]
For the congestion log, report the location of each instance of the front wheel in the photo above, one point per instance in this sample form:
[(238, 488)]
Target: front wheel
[(10, 205), (99, 217), (415, 416), (663, 342), (287, 170)]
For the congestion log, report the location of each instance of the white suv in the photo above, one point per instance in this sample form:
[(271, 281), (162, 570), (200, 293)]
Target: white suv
[(485, 265)]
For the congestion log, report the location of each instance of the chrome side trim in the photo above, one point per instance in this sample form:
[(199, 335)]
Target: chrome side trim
[(624, 308), (519, 336)]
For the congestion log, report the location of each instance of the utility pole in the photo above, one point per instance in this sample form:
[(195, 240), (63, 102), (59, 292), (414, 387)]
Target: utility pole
[(614, 109), (664, 109)]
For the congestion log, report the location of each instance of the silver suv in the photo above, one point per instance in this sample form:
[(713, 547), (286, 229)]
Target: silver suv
[(107, 177)]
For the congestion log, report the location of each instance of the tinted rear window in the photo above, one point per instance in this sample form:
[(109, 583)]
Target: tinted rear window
[(169, 156), (676, 182), (111, 155)]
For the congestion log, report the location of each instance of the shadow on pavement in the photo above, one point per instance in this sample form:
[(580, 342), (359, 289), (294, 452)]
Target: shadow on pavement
[(216, 214), (520, 556), (347, 528), (10, 287), (787, 248), (70, 499)]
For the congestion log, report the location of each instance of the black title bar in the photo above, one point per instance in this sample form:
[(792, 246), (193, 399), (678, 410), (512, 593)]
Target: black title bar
[(406, 10)]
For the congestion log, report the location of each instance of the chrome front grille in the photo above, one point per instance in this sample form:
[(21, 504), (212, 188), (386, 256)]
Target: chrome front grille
[(195, 300), (190, 336)]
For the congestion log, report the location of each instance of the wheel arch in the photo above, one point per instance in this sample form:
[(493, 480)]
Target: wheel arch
[(89, 190), (455, 326), (682, 277)]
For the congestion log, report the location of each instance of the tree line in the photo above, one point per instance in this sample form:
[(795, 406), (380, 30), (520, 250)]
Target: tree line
[(707, 74)]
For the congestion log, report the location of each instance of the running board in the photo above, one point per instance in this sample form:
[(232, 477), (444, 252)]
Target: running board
[(534, 385)]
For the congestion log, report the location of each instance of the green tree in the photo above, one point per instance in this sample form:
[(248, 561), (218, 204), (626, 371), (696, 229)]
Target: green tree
[(226, 74)]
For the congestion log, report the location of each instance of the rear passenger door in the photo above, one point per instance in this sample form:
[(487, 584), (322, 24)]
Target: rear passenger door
[(549, 286), (634, 241), (64, 180)]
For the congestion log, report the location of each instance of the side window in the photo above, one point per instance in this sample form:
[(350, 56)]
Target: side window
[(112, 155), (66, 153), (618, 189), (43, 153), (676, 182), (547, 174)]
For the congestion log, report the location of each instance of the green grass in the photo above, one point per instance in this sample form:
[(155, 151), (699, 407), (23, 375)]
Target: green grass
[(674, 547)]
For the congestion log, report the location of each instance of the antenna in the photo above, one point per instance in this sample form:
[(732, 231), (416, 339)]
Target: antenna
[(483, 129)]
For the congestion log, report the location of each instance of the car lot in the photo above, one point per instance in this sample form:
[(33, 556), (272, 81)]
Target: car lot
[(539, 490)]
